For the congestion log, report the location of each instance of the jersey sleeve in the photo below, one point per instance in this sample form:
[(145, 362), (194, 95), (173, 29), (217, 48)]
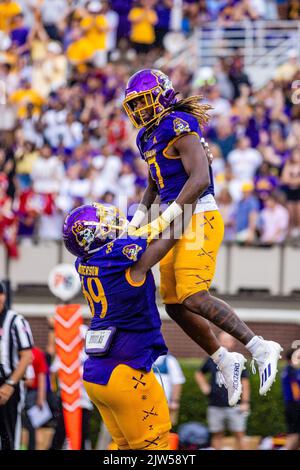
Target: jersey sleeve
[(23, 333), (120, 254), (178, 124)]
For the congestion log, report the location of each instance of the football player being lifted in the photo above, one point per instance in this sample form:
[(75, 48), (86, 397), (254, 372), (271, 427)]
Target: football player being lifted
[(170, 141)]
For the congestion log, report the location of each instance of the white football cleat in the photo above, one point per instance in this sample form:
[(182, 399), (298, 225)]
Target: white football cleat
[(231, 368), (266, 356)]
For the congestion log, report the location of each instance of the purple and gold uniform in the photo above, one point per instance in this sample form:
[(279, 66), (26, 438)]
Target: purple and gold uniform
[(189, 267), (168, 171), (121, 382)]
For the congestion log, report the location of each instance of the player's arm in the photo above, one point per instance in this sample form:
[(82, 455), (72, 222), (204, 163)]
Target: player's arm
[(194, 160), (190, 149), (147, 200), (158, 248)]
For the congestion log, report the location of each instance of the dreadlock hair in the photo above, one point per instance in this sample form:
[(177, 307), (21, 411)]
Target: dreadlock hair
[(192, 106), (189, 105)]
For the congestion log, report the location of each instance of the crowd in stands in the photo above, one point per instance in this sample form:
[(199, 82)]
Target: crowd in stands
[(66, 141)]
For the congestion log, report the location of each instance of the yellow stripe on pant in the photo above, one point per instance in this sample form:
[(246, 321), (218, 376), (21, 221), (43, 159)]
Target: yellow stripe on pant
[(134, 408), (190, 266)]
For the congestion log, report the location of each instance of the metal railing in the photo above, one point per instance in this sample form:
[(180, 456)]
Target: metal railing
[(263, 45)]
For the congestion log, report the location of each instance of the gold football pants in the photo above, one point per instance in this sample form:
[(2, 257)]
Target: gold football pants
[(134, 408)]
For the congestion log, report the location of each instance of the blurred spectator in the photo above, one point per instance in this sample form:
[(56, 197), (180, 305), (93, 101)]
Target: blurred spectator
[(8, 168), (163, 10), (95, 27), (58, 88), (246, 215), (238, 76), (8, 219), (265, 182), (106, 171), (53, 12), (24, 95), (291, 180), (290, 379), (143, 18), (50, 73), (112, 18), (221, 73), (25, 156), (273, 221), (30, 206), (223, 135), (47, 172), (229, 182), (221, 106), (169, 373), (293, 10), (258, 122), (219, 414), (8, 11), (287, 70), (36, 392), (227, 209), (19, 34), (244, 160)]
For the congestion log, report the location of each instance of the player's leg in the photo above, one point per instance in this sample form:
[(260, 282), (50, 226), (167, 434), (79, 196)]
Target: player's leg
[(138, 406), (197, 328), (143, 416), (95, 393), (195, 262), (194, 265)]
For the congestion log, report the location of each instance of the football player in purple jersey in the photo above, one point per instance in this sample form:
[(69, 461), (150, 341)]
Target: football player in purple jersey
[(170, 141), (124, 338)]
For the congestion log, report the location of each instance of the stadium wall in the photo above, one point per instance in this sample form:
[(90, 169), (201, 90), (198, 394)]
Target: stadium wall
[(281, 326)]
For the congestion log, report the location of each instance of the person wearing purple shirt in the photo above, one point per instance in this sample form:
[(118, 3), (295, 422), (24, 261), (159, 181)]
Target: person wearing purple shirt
[(265, 183), (20, 32), (163, 11), (259, 121), (122, 7)]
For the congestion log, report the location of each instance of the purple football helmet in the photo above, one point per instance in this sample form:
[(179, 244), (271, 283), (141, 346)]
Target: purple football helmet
[(87, 228), (154, 92)]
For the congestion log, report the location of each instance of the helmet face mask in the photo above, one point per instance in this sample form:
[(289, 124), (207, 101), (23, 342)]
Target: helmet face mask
[(156, 91), (88, 228)]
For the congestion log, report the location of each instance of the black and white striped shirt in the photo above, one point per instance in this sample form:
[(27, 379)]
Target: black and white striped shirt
[(15, 336)]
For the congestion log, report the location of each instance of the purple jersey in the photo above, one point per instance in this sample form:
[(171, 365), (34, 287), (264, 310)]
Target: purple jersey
[(115, 300), (168, 172)]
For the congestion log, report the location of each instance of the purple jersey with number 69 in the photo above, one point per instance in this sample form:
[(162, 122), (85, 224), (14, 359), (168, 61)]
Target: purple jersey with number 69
[(115, 300)]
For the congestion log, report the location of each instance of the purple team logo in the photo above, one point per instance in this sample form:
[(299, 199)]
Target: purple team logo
[(131, 251), (84, 235)]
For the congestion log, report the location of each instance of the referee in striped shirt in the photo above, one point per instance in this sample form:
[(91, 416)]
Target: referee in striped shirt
[(15, 356)]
